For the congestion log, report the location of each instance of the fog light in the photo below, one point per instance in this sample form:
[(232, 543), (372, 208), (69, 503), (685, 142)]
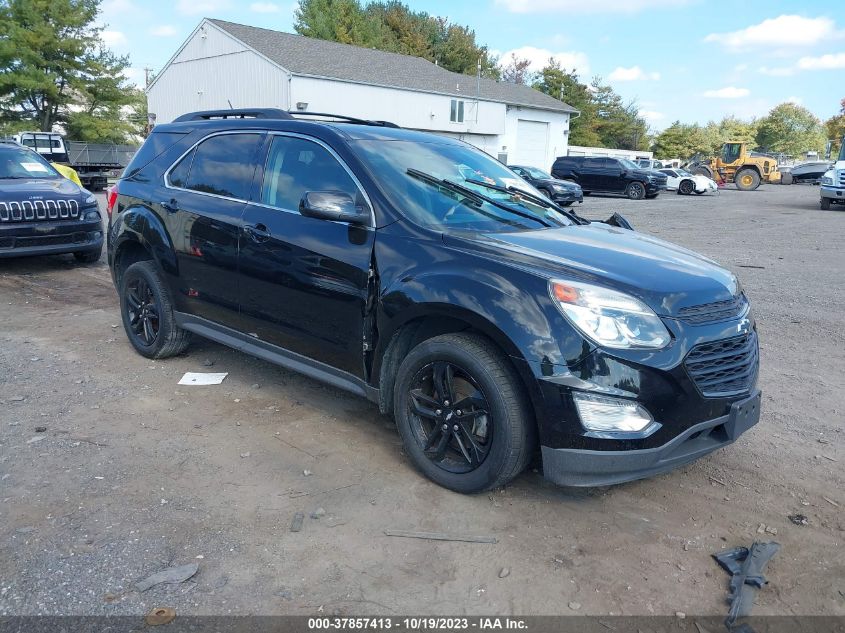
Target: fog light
[(603, 416)]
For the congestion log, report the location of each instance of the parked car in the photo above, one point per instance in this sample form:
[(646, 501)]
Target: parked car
[(832, 190), (491, 323), (563, 192), (685, 183), (649, 163), (42, 212), (609, 175)]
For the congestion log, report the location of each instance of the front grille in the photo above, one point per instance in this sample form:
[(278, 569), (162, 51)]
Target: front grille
[(841, 173), (714, 312), (33, 210), (724, 368)]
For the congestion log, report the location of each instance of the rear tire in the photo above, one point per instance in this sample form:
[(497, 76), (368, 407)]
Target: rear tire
[(686, 187), (490, 441), (824, 203), (635, 190), (747, 179), (147, 312)]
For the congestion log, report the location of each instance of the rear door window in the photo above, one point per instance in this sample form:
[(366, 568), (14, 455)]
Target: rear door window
[(222, 165)]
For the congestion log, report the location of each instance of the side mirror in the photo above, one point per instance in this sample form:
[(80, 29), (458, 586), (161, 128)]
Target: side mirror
[(334, 205)]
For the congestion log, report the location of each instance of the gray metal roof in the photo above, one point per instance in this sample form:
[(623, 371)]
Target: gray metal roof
[(321, 58)]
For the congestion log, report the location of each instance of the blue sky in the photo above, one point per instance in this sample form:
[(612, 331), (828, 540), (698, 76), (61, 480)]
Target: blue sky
[(691, 60)]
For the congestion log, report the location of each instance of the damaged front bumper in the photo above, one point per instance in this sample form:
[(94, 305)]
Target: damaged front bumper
[(581, 467)]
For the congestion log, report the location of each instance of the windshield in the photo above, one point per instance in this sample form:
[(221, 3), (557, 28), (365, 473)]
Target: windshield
[(19, 163), (628, 164), (682, 172), (842, 150), (536, 173), (426, 198)]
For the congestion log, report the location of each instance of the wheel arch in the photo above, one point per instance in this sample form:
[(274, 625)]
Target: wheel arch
[(138, 235), (428, 320)]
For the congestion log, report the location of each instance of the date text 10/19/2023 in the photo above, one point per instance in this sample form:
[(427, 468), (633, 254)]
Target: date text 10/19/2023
[(415, 623)]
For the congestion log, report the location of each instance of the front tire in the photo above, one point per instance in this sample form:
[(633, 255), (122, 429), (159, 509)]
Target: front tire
[(747, 179), (462, 413), (686, 187), (147, 312), (635, 190), (824, 203)]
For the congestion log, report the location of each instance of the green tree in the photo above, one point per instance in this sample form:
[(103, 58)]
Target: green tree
[(682, 140), (617, 123), (336, 20), (728, 129), (565, 86), (51, 58), (393, 26), (517, 71), (834, 128), (790, 129)]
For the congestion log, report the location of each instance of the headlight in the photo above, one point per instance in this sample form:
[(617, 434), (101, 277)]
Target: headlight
[(559, 188), (609, 318), (827, 180), (92, 214), (606, 417), (90, 199)]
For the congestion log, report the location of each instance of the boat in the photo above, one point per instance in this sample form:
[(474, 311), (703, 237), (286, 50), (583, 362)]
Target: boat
[(809, 171)]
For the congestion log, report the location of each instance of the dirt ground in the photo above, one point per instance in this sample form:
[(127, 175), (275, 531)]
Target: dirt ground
[(135, 474)]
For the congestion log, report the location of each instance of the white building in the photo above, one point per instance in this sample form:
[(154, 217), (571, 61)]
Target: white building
[(223, 65)]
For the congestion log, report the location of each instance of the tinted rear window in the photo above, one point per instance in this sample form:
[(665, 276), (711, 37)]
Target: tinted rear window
[(156, 144), (224, 165)]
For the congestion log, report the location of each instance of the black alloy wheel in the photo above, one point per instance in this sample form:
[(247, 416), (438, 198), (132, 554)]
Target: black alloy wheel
[(450, 417), (147, 312), (142, 311), (462, 413), (686, 187), (635, 191)]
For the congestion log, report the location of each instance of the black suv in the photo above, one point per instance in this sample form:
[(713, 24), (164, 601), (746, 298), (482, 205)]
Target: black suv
[(419, 272), (610, 175), (42, 212)]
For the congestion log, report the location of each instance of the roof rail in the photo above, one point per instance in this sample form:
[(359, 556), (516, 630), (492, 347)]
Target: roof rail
[(243, 113), (348, 119)]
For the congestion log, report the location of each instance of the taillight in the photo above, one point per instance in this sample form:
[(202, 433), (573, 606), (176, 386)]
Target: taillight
[(111, 198)]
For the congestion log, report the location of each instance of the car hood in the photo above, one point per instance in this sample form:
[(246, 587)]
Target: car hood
[(20, 190), (665, 276)]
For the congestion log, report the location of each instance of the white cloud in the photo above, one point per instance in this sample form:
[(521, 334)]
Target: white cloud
[(777, 71), (113, 38), (652, 115), (825, 62), (782, 31), (729, 92), (163, 30), (204, 7), (264, 7), (579, 6), (539, 57), (634, 73)]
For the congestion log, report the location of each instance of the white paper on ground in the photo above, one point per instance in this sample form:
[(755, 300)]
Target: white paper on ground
[(197, 378)]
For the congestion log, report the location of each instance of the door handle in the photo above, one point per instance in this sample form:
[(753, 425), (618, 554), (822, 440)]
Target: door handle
[(170, 205), (258, 232)]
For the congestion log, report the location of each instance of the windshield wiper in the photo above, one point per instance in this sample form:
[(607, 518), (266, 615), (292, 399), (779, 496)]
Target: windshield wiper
[(536, 199), (473, 195)]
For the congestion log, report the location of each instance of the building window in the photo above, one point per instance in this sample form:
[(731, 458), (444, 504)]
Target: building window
[(457, 113)]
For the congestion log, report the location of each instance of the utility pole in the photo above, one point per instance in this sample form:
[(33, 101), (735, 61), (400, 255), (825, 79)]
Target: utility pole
[(147, 72)]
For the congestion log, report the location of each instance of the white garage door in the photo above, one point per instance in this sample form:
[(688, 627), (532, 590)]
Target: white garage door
[(532, 139)]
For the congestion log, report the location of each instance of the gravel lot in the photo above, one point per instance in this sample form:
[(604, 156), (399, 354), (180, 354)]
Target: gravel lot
[(135, 474)]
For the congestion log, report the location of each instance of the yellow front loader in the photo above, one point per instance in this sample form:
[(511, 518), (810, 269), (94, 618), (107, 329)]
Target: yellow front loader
[(737, 164)]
